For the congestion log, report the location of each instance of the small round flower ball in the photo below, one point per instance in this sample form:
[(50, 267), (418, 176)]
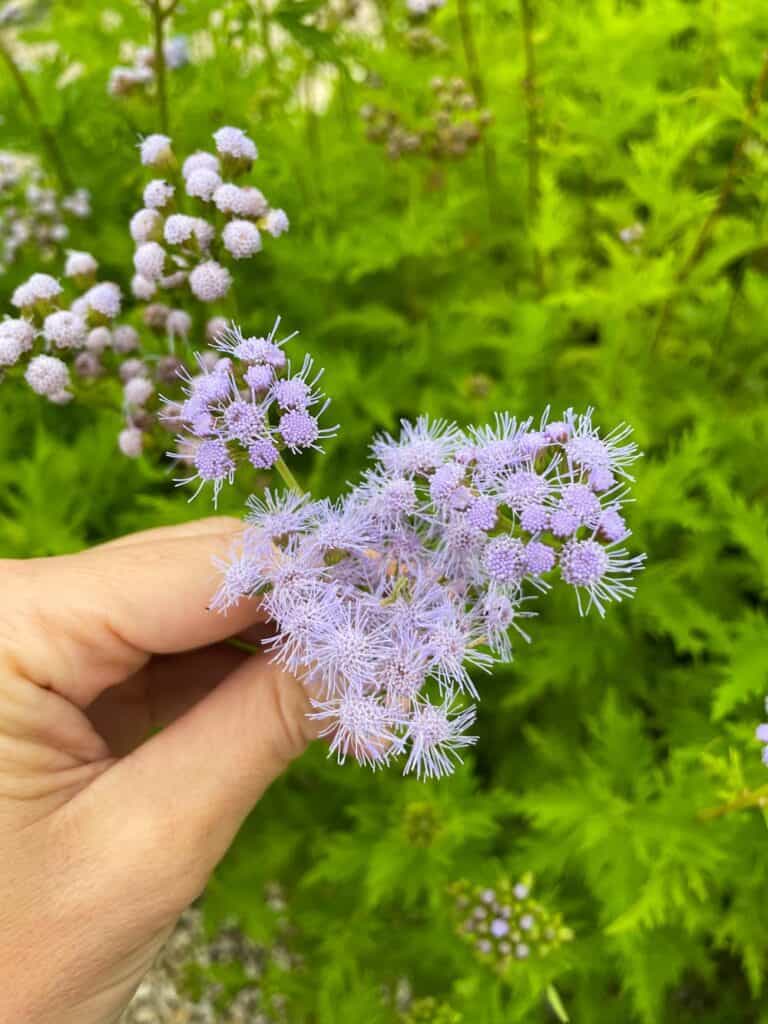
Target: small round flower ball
[(47, 375), (99, 339), (234, 143), (156, 151), (104, 299), (157, 194), (167, 369), (227, 198), (241, 239), (64, 329), (61, 397), (215, 326), (178, 324), (156, 316), (243, 202), (38, 288), (146, 226), (210, 281), (259, 377), (200, 161), (80, 264), (125, 338), (276, 223), (149, 260), (88, 365), (142, 288), (133, 368), (298, 429), (204, 232), (16, 338), (137, 390), (178, 228), (263, 454), (130, 442), (202, 183)]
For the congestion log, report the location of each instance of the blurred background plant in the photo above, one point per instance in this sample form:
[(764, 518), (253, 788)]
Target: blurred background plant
[(601, 238)]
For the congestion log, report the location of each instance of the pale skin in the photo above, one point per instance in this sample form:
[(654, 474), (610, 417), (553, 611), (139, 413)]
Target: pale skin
[(109, 828)]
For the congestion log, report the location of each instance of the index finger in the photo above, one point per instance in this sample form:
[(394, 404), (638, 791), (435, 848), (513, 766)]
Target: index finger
[(80, 623)]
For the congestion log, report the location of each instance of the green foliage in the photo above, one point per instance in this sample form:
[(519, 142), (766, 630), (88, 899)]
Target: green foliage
[(495, 281)]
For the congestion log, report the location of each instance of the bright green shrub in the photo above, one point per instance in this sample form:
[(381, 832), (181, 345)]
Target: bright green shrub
[(456, 287)]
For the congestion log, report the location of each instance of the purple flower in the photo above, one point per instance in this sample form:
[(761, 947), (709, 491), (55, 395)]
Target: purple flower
[(445, 481), (361, 726), (601, 572), (436, 736), (539, 558), (482, 513), (213, 464), (504, 560), (299, 429), (262, 453), (585, 448), (279, 515)]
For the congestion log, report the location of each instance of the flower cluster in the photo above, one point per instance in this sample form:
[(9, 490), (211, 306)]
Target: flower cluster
[(389, 601), (70, 335), (177, 244), (139, 74), (31, 213), (504, 924), (452, 127), (246, 405)]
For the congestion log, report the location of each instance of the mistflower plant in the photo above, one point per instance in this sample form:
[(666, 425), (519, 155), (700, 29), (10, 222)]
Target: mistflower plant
[(504, 924), (33, 215), (391, 602), (76, 337)]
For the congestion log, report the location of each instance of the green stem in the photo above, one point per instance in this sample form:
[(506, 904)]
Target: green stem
[(266, 42), (748, 798), (241, 645), (287, 476), (47, 138), (534, 130), (478, 89), (726, 189), (159, 16)]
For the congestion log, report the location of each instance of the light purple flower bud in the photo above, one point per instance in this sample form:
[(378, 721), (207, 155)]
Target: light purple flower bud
[(259, 378), (539, 558), (482, 513), (263, 454), (504, 559), (298, 429), (131, 442)]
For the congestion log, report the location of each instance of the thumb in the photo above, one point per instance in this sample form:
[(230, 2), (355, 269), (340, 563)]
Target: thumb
[(171, 808)]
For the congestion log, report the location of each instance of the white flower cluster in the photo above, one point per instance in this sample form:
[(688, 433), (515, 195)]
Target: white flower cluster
[(175, 244), (32, 214), (127, 79)]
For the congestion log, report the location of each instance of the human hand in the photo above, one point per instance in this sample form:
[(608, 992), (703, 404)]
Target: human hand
[(107, 835)]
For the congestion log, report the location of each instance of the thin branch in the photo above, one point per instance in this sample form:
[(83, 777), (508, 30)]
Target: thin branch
[(534, 132), (726, 190), (747, 798), (158, 26), (47, 138), (477, 83)]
